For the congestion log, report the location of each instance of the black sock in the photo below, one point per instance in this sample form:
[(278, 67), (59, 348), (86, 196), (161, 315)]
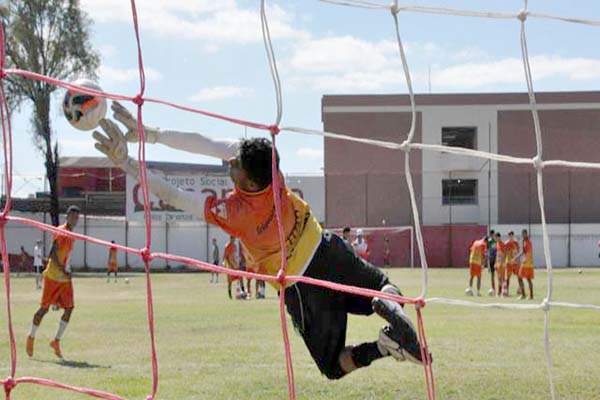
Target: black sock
[(364, 354)]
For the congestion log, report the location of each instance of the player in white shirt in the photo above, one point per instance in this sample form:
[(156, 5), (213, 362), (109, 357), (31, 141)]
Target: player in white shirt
[(38, 264), (361, 248)]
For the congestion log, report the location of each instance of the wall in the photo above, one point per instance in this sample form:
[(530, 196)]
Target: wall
[(438, 166)]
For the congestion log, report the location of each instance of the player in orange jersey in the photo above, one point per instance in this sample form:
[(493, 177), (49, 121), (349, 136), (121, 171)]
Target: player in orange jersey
[(58, 287), (526, 270), (511, 247), (248, 213), (477, 253), (231, 260), (500, 264), (112, 262)]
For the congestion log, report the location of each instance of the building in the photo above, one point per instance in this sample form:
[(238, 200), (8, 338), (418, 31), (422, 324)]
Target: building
[(365, 185)]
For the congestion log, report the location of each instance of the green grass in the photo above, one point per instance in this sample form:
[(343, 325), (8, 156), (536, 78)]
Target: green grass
[(211, 347)]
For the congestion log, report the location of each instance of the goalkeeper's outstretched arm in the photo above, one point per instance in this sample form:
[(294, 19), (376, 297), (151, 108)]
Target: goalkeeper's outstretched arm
[(114, 145), (187, 141)]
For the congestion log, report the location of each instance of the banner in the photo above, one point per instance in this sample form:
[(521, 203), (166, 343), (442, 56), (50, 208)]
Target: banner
[(219, 184)]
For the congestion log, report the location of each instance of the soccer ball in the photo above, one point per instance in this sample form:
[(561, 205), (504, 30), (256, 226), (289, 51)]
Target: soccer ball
[(469, 291), (127, 280), (84, 111), (491, 292)]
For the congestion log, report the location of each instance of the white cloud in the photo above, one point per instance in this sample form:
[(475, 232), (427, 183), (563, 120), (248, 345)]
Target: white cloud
[(346, 64), (309, 152), (222, 21), (510, 71), (341, 54), (121, 75), (220, 93)]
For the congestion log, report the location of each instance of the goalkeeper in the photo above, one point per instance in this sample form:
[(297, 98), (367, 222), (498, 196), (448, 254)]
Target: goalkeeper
[(247, 213)]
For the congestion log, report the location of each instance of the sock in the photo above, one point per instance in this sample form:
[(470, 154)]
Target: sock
[(364, 354), (33, 330), (62, 325)]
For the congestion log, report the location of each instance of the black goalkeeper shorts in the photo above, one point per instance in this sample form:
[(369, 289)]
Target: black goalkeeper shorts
[(320, 314)]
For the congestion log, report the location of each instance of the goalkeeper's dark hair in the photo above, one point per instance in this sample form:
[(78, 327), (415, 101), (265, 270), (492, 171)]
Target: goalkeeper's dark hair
[(255, 159), (73, 209)]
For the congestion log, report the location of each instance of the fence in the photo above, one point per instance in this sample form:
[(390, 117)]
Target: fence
[(186, 239)]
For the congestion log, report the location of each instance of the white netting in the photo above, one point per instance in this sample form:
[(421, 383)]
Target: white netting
[(536, 161)]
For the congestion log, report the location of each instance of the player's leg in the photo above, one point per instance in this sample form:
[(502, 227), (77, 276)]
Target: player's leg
[(37, 320), (521, 286), (318, 315), (335, 262), (500, 281), (65, 300), (248, 285), (530, 282), (229, 287), (62, 326)]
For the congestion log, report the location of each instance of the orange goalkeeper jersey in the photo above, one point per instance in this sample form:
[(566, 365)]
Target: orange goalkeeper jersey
[(251, 218)]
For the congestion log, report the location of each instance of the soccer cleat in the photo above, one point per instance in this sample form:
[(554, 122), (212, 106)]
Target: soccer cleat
[(400, 330), (55, 344), (388, 346), (29, 346)]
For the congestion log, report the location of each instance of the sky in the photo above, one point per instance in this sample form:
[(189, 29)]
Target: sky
[(209, 54)]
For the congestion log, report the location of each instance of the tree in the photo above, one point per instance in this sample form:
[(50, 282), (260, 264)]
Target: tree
[(52, 38)]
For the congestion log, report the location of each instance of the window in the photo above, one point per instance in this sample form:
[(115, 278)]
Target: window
[(459, 191), (72, 191), (460, 137)]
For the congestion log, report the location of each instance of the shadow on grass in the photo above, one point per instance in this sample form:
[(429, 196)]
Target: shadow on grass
[(75, 364)]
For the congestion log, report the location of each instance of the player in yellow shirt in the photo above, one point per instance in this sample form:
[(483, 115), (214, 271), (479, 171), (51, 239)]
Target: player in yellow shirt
[(58, 287), (511, 247), (526, 270), (477, 253), (319, 314)]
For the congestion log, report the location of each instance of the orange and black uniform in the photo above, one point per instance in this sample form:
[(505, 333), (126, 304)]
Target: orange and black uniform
[(319, 314)]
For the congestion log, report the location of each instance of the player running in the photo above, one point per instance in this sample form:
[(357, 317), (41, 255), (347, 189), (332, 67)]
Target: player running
[(58, 287)]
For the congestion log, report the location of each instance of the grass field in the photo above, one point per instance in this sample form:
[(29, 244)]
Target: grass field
[(212, 348)]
